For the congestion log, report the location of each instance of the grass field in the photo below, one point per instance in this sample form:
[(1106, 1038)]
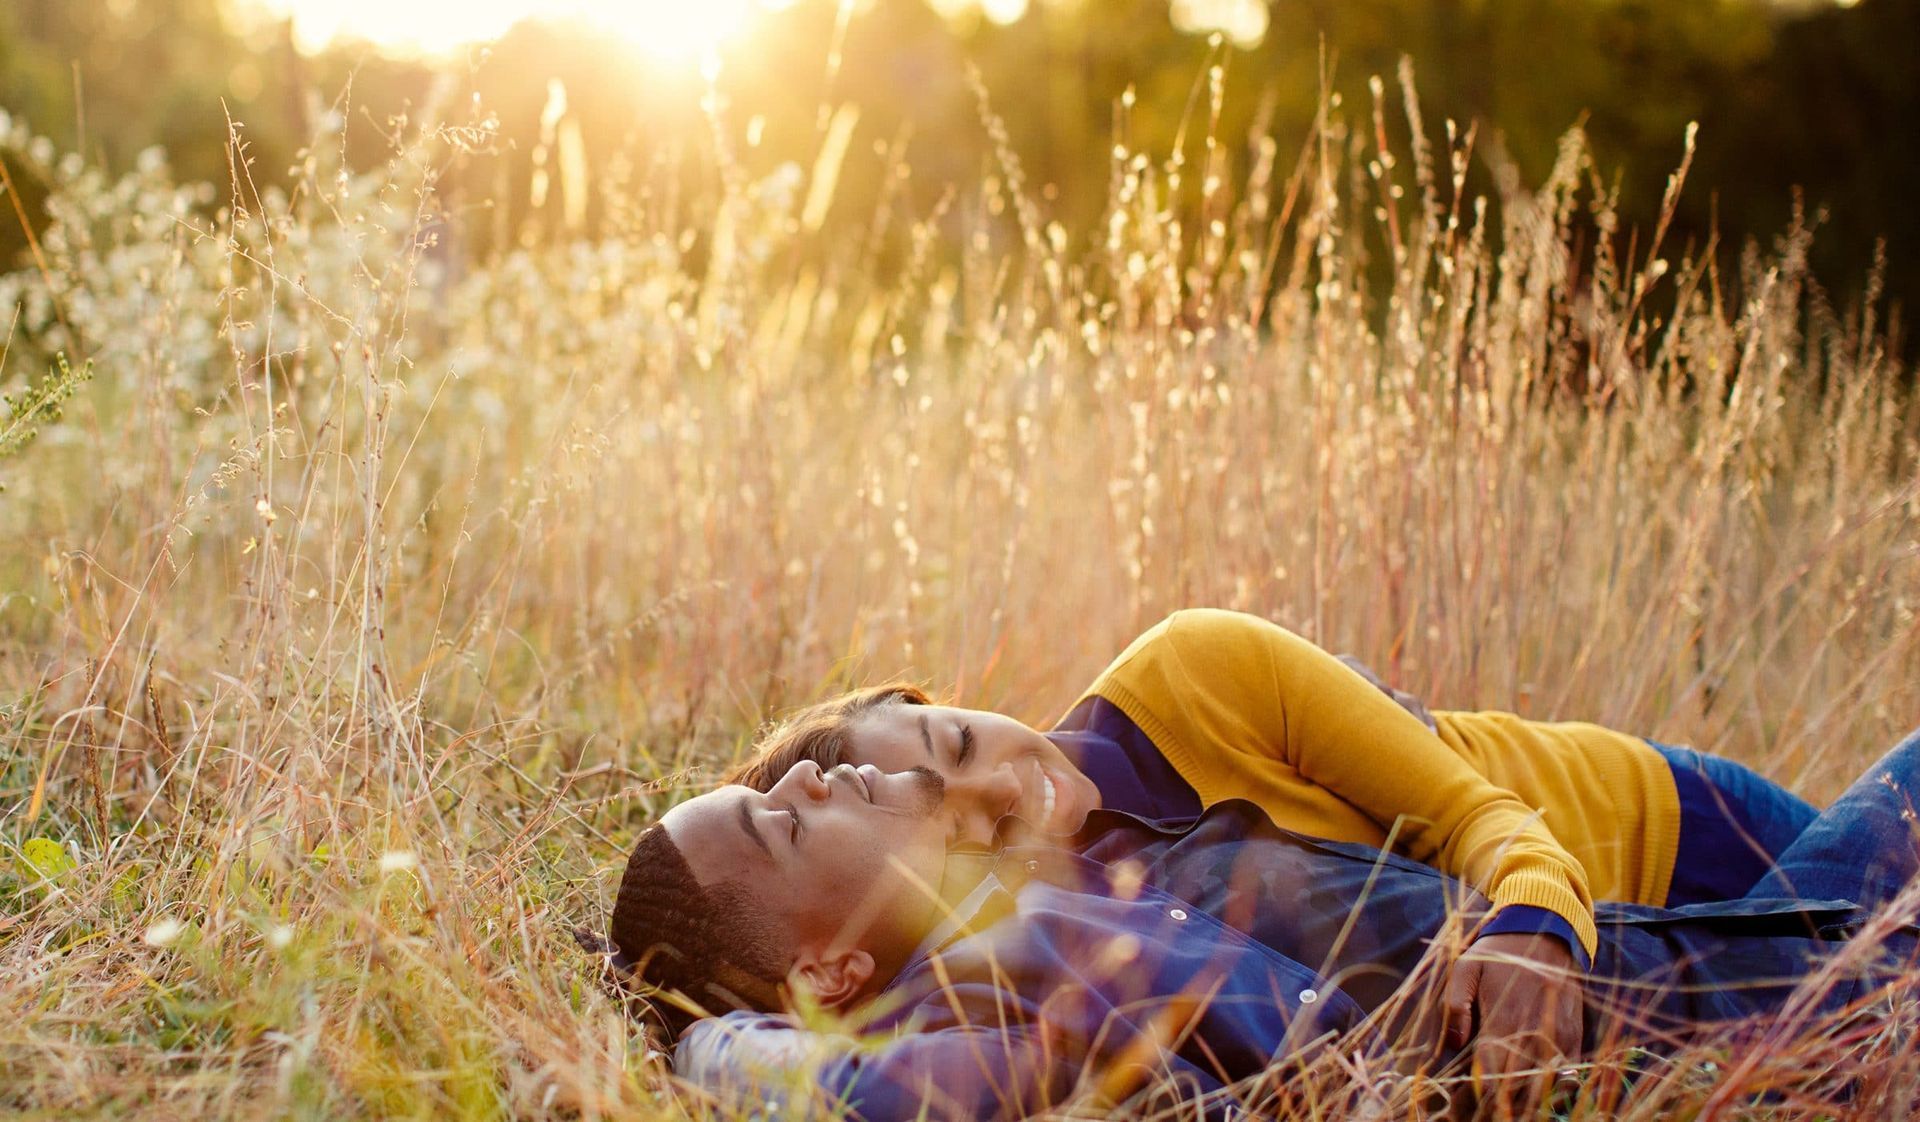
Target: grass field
[(367, 600)]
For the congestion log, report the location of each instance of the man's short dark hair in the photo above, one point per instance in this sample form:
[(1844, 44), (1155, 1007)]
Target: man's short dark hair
[(705, 949)]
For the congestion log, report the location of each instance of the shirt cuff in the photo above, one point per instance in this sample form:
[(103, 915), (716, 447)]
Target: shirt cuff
[(1525, 919), (743, 1052)]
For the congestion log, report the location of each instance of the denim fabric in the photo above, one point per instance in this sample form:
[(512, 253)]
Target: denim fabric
[(1862, 848), (1734, 823)]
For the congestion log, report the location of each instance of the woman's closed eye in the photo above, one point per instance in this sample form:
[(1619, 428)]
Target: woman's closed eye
[(965, 751)]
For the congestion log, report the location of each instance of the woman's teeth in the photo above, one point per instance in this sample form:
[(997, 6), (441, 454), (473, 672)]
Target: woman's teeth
[(1046, 799)]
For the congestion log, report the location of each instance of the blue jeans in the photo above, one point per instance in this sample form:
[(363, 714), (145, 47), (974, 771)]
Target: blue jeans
[(1669, 971), (1734, 826), (1864, 847)]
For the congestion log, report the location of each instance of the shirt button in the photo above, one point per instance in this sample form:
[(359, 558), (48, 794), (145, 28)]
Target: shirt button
[(1178, 913), (1308, 997), (1033, 866)]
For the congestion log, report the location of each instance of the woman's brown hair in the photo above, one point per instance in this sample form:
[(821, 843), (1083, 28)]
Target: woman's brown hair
[(818, 733)]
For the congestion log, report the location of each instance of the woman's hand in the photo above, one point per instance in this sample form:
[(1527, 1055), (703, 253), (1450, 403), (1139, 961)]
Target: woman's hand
[(1523, 992), (1406, 701)]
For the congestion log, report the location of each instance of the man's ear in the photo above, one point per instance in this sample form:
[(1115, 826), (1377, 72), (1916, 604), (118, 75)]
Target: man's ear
[(834, 978)]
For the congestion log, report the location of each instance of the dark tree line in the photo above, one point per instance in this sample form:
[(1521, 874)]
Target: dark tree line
[(1816, 99)]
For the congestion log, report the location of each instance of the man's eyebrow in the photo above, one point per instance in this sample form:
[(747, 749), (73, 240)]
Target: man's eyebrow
[(746, 823), (926, 738)]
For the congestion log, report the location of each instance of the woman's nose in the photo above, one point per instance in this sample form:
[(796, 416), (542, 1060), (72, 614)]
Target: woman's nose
[(988, 792), (980, 801)]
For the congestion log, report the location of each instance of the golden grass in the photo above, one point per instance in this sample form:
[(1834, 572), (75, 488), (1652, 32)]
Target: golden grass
[(370, 599)]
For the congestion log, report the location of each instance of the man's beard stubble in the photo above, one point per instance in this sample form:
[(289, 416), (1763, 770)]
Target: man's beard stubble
[(929, 791)]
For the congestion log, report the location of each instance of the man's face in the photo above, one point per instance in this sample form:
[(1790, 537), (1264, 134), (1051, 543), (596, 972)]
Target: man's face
[(1002, 778), (847, 859)]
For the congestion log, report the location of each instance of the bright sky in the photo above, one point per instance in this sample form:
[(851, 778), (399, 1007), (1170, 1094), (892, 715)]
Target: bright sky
[(668, 29)]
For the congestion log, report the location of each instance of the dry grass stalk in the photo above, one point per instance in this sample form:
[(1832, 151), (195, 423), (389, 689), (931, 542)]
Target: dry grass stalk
[(429, 542)]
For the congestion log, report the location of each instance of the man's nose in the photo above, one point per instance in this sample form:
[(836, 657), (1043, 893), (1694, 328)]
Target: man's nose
[(804, 780)]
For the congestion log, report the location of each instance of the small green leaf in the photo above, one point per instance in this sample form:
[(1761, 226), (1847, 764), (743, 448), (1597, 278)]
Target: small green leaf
[(126, 889), (46, 858)]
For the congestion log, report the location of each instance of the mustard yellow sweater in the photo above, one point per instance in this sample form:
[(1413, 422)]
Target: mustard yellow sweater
[(1548, 815)]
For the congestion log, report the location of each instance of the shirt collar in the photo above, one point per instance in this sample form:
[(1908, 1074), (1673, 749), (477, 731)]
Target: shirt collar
[(985, 884)]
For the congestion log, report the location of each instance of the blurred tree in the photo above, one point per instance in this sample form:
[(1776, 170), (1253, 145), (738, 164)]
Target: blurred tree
[(1826, 114), (113, 77), (1815, 96)]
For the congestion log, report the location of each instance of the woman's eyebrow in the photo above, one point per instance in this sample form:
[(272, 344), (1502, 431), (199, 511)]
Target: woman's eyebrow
[(926, 738)]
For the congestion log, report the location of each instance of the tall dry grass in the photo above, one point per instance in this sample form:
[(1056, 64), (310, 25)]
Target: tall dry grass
[(370, 598)]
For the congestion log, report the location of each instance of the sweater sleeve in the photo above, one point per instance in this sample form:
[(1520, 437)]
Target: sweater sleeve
[(1224, 692)]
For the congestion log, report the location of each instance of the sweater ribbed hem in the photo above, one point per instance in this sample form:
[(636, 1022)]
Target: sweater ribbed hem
[(1540, 889)]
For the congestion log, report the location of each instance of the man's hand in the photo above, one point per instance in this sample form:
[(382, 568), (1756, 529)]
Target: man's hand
[(1405, 700), (1523, 992)]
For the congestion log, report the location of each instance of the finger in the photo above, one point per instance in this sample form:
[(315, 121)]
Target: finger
[(1512, 1033), (1496, 1061), (1508, 1052), (1519, 1076), (1556, 1022), (1571, 1025), (1490, 1062), (1528, 1092), (1457, 1006), (1498, 1045)]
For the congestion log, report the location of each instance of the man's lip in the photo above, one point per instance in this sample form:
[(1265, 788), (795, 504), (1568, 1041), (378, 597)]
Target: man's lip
[(865, 789)]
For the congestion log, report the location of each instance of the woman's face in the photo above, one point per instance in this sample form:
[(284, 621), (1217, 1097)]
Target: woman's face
[(996, 769)]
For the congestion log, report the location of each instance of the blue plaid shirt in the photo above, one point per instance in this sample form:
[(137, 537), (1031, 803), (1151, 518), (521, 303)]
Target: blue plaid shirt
[(1194, 953)]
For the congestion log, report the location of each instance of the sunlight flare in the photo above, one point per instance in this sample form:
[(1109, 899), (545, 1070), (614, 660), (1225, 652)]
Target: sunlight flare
[(667, 30)]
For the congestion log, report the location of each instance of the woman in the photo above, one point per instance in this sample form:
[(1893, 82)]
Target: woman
[(1542, 818)]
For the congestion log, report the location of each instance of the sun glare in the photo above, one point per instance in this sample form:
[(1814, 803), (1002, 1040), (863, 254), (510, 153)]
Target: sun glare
[(675, 29), (667, 30)]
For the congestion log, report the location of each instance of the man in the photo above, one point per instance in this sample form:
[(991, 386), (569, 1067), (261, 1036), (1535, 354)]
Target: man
[(1181, 958)]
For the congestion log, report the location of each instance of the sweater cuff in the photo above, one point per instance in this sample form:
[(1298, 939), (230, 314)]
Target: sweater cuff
[(1540, 888), (1526, 919)]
